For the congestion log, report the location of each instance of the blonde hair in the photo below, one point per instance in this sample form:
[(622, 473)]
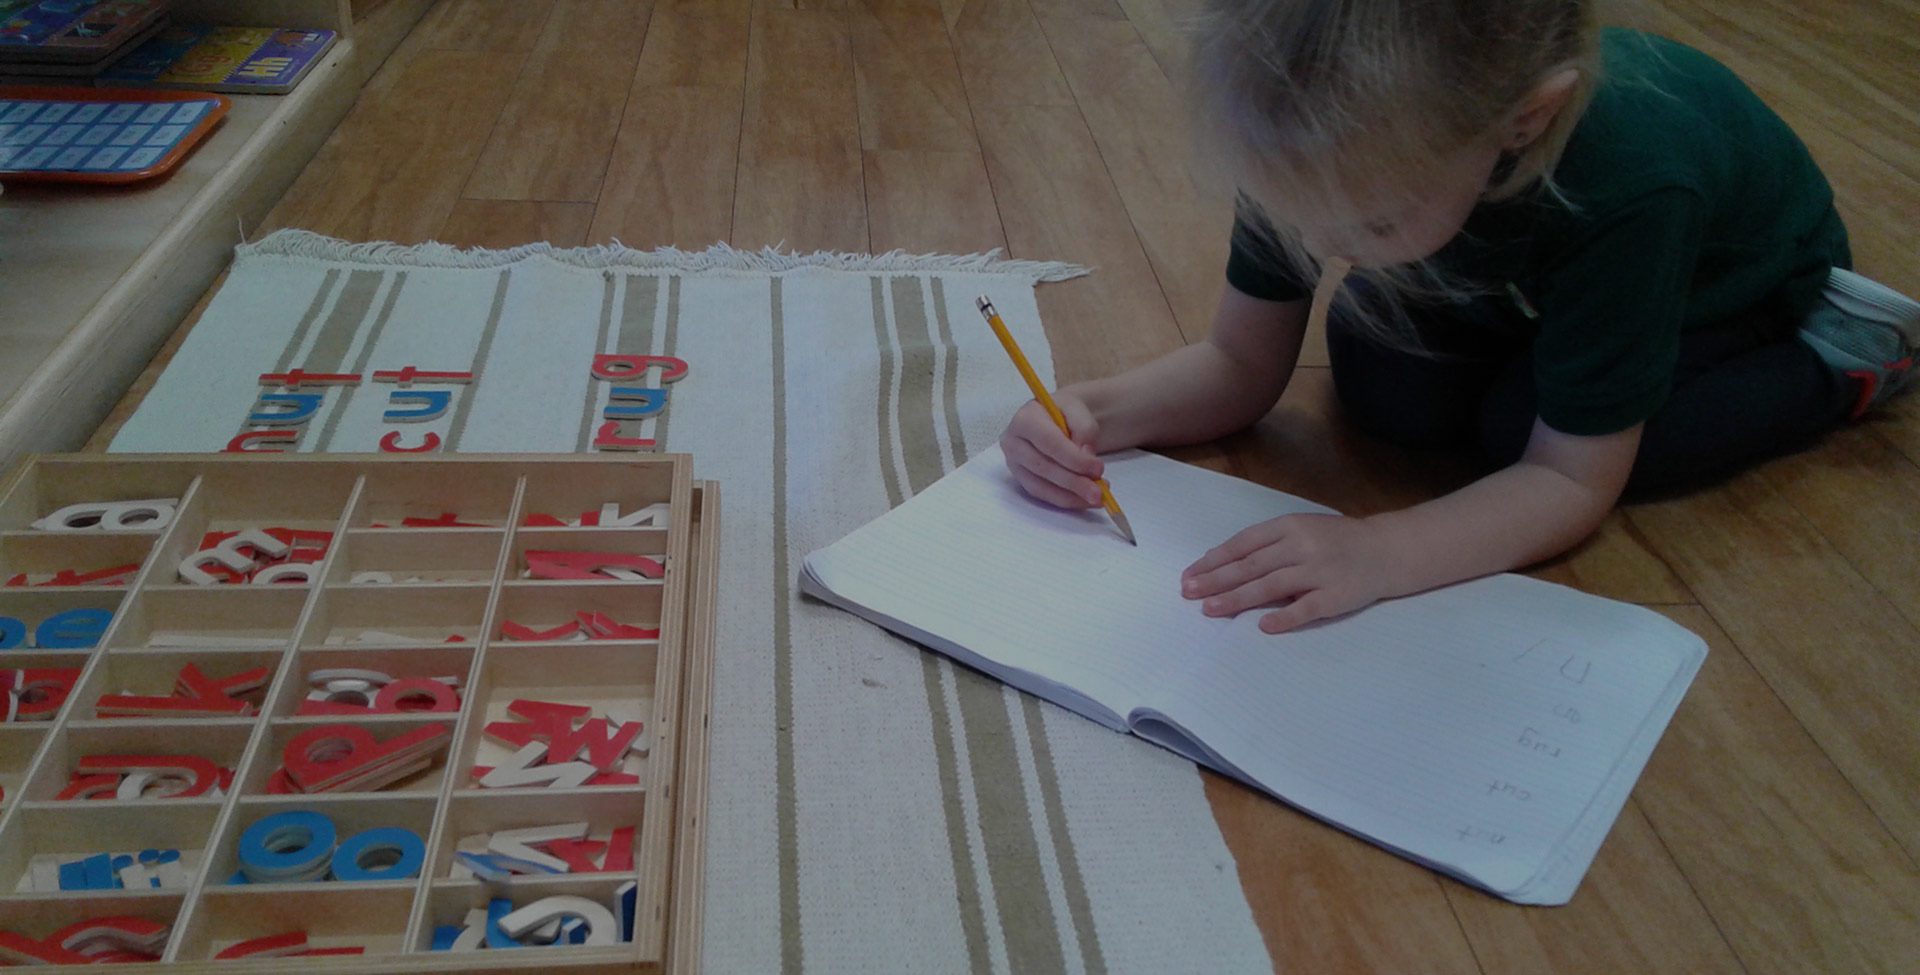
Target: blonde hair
[(1317, 106)]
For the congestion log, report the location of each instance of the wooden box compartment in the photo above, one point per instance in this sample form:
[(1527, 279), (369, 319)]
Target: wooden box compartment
[(339, 916), (222, 744), (649, 542), (229, 505), (398, 616), (26, 557), (451, 902), (349, 815), (205, 618), (543, 608), (53, 483), (32, 617), (432, 490), (18, 742), (283, 734), (473, 817), (38, 837), (574, 500), (453, 660), (396, 629), (418, 556), (612, 681), (42, 917), (43, 683), (156, 673), (306, 496)]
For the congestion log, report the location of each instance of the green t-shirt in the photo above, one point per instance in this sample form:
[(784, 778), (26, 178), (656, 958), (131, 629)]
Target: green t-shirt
[(1694, 207)]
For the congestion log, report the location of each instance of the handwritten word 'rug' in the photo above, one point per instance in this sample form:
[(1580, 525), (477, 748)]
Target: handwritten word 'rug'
[(873, 808)]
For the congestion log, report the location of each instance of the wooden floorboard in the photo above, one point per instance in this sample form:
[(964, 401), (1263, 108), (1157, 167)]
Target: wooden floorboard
[(695, 44), (1777, 828), (1057, 202), (1326, 902), (1637, 912), (908, 82), (671, 177), (1795, 868), (394, 168), (1899, 427), (1145, 135), (481, 25), (1863, 496), (555, 138), (800, 180), (510, 223), (927, 201), (1835, 649), (1004, 56)]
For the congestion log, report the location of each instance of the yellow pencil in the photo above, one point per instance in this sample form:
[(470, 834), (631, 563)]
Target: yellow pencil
[(1040, 393)]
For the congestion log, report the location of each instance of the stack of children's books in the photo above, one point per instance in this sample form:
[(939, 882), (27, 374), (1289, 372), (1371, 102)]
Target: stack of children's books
[(248, 60), (72, 40), (129, 44)]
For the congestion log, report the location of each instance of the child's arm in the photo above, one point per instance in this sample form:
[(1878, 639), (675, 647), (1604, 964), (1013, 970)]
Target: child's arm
[(1207, 390), (1190, 395), (1556, 495)]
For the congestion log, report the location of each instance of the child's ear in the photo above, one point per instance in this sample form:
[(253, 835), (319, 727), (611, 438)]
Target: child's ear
[(1541, 106)]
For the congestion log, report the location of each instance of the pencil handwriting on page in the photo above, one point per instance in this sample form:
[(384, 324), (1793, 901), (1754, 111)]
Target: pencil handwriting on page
[(1572, 666), (1480, 834), (1508, 790), (1576, 668), (1530, 739)]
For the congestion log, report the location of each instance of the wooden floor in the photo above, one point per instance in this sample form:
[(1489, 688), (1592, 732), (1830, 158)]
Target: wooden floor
[(1777, 828)]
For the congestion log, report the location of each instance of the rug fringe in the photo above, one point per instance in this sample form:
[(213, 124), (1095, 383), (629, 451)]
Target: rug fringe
[(719, 257)]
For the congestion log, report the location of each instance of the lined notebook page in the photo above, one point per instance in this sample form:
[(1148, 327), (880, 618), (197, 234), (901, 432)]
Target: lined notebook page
[(1491, 729), (982, 568)]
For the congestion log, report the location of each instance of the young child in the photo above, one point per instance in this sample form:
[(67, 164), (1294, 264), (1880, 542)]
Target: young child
[(1594, 256)]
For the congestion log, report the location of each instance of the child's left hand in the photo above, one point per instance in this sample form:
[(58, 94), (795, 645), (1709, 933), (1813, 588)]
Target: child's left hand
[(1326, 564)]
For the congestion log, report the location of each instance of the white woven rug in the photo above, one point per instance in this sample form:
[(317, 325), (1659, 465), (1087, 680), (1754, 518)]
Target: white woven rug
[(874, 809)]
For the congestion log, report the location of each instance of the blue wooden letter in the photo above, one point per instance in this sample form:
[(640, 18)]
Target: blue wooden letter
[(433, 404), (75, 629), (300, 408), (634, 402)]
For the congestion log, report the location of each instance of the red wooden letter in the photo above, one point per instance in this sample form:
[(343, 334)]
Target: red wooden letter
[(391, 444)]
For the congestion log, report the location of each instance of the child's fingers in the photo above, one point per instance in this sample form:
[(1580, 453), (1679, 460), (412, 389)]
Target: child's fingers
[(1080, 420), (1309, 607), (1044, 490), (1036, 427), (1235, 573), (1238, 547), (1023, 456), (1069, 455), (1270, 588)]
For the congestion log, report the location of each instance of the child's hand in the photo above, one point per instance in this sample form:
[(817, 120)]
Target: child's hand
[(1326, 564), (1048, 466)]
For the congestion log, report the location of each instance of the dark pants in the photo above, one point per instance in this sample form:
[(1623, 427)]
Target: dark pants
[(1741, 394)]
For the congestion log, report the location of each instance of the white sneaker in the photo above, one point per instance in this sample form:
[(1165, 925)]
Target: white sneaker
[(1869, 332)]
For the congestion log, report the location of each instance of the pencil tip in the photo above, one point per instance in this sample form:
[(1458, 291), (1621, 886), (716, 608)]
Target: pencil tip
[(1126, 530)]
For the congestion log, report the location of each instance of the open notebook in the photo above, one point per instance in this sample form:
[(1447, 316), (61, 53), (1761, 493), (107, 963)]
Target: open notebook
[(1490, 730)]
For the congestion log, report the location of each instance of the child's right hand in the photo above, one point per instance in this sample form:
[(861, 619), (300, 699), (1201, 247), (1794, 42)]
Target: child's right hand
[(1049, 466)]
